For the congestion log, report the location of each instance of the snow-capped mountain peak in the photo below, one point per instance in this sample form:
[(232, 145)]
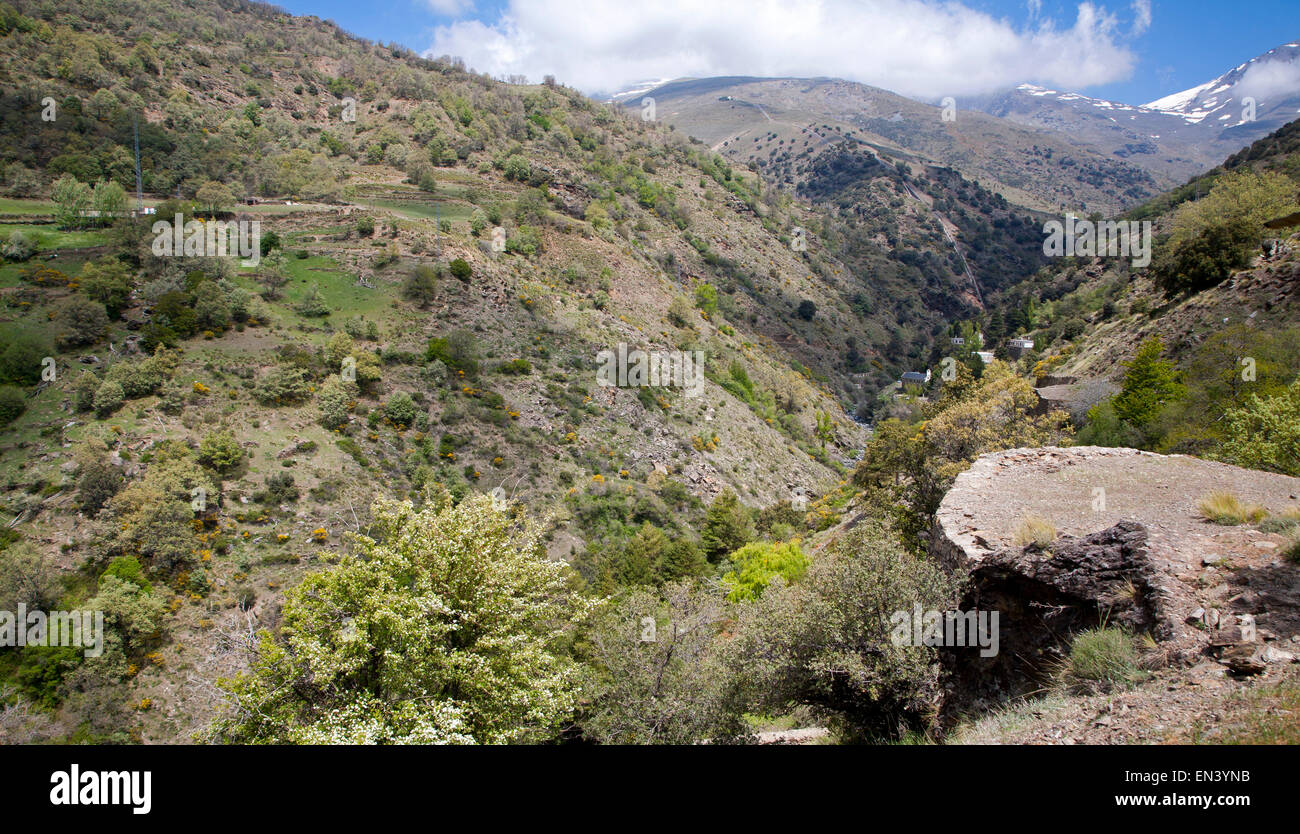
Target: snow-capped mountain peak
[(1271, 79)]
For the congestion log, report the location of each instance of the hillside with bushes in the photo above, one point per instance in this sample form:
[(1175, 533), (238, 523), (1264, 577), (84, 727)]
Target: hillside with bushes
[(369, 479)]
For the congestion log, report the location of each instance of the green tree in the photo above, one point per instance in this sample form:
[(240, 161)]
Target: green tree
[(80, 321), (21, 354), (12, 404), (133, 617), (312, 305), (755, 565), (653, 670), (517, 168), (638, 561), (221, 452), (334, 400), (19, 247), (108, 398), (339, 347), (107, 281), (1149, 384), (442, 628), (71, 198), (27, 578), (152, 517), (97, 482), (272, 274), (421, 285), (828, 642), (282, 385), (83, 391), (727, 526), (109, 199), (1265, 433), (682, 559), (211, 307), (1217, 234), (1252, 197), (1207, 259), (214, 197), (706, 298)]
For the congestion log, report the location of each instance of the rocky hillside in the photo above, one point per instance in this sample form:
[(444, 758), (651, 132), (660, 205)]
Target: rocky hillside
[(377, 178), (782, 124)]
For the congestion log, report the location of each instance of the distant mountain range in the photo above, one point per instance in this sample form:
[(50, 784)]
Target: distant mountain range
[(1179, 135), (1042, 148)]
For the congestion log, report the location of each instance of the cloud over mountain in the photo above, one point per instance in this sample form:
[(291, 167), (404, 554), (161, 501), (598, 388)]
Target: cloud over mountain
[(914, 47)]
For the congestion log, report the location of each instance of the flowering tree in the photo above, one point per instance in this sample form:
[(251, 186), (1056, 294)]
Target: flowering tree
[(440, 629)]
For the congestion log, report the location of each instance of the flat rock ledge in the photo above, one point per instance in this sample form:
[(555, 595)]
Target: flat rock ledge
[(1132, 549)]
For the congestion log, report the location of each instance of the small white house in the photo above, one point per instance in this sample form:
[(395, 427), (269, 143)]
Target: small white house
[(1021, 344), (958, 340), (986, 356)]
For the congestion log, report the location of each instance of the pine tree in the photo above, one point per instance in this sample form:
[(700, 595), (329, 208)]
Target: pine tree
[(1149, 383), (727, 526)]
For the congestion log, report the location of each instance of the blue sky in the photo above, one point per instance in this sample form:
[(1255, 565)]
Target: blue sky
[(919, 47)]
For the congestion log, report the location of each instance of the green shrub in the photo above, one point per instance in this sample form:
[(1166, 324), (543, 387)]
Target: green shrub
[(421, 285), (1265, 432), (12, 404), (1105, 656), (312, 305), (334, 399), (80, 321), (221, 452), (129, 569), (515, 367), (83, 391), (460, 268), (283, 385), (108, 398), (98, 482), (143, 377), (280, 489), (756, 564), (401, 410), (21, 354)]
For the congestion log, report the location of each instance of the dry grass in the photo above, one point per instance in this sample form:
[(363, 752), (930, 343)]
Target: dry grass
[(1036, 531), (1225, 508), (1268, 715)]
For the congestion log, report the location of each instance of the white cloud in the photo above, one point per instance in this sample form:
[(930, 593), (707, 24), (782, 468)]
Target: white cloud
[(1141, 16), (916, 47), (1269, 79), (451, 8)]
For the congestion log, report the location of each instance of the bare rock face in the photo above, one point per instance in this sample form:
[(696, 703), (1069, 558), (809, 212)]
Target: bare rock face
[(1132, 550), (1046, 595)]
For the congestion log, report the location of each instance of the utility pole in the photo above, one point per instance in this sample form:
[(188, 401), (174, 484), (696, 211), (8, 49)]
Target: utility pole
[(139, 183)]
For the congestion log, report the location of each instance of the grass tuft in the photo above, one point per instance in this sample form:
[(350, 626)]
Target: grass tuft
[(1225, 508), (1036, 531), (1105, 656)]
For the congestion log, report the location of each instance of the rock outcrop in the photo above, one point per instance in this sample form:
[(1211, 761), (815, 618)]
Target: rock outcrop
[(1132, 550)]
